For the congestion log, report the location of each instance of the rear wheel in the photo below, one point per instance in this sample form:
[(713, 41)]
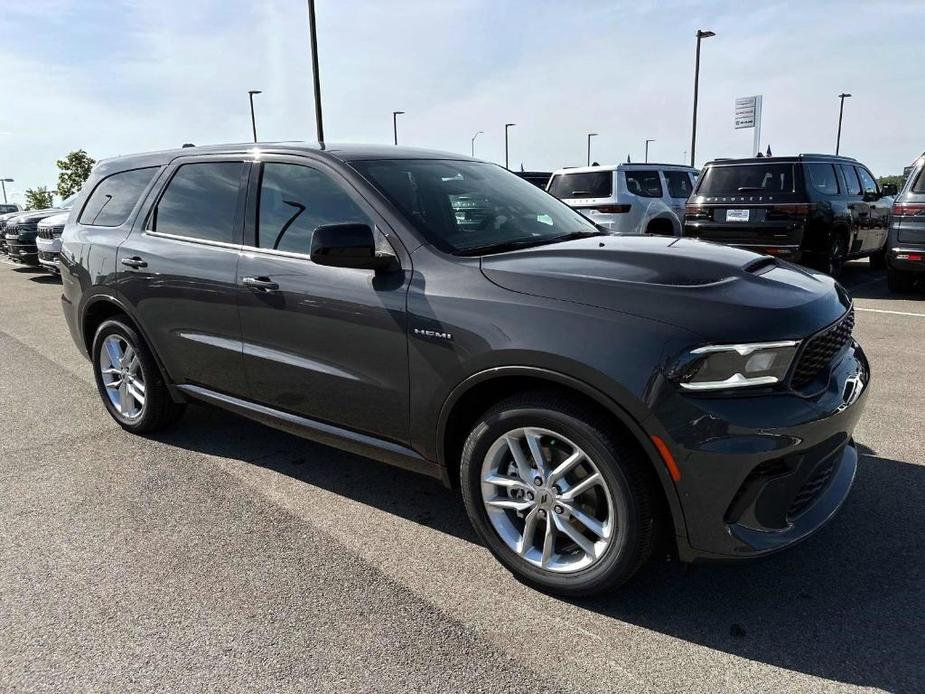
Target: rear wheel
[(899, 281), (833, 262), (129, 381), (559, 500)]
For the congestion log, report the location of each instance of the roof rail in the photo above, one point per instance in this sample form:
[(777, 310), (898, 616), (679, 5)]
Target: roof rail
[(825, 156)]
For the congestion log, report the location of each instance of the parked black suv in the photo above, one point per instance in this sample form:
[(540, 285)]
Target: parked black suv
[(906, 246), (20, 233), (585, 391), (815, 209)]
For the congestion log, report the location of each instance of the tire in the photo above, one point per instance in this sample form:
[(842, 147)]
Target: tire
[(898, 281), (878, 259), (155, 410), (621, 499), (833, 261)]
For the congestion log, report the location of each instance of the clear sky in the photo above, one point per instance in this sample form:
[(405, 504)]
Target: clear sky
[(115, 77)]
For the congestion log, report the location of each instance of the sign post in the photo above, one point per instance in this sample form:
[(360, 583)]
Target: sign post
[(748, 115)]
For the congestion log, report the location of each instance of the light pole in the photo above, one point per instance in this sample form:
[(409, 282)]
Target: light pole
[(480, 132), (250, 94), (3, 182), (841, 111), (395, 115), (506, 126), (701, 34), (647, 149), (590, 135), (313, 38)]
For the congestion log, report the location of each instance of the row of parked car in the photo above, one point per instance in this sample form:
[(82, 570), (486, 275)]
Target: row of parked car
[(815, 209), (34, 237)]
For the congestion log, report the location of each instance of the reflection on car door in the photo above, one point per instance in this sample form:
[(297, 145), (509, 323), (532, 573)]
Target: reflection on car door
[(178, 269), (322, 342), (877, 213), (857, 211)]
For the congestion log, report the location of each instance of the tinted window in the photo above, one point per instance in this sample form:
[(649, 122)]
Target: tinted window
[(596, 184), (822, 178), (294, 201), (868, 184), (8, 208), (114, 198), (472, 207), (679, 184), (919, 185), (746, 178), (851, 180), (200, 202)]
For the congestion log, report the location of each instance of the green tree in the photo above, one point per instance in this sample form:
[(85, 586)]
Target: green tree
[(898, 180), (39, 198), (74, 171)]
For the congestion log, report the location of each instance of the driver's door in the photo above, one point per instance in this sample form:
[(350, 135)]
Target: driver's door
[(322, 342)]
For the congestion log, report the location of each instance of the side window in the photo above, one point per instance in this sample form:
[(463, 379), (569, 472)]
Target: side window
[(200, 202), (868, 184), (646, 184), (294, 201), (822, 178), (114, 198), (679, 184), (851, 180)]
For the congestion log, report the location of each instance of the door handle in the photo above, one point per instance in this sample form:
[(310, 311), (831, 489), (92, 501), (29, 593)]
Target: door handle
[(263, 284), (134, 261)]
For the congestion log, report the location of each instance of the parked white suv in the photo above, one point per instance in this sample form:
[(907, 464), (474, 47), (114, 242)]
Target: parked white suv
[(629, 198)]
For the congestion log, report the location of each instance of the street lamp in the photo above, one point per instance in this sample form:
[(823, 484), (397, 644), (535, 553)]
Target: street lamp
[(313, 38), (590, 135), (3, 182), (250, 95), (841, 111), (647, 149), (506, 126), (480, 132), (701, 34), (395, 115)]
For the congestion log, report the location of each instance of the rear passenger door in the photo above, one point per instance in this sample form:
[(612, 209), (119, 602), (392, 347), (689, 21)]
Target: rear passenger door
[(322, 342), (877, 212), (857, 210), (178, 270)]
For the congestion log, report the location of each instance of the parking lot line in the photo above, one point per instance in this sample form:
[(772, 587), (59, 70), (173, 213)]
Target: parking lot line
[(895, 313)]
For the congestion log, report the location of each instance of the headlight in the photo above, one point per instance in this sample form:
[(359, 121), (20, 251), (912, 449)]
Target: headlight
[(717, 367)]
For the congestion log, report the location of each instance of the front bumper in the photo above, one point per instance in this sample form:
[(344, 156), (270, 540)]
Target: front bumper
[(22, 250), (49, 251), (760, 473)]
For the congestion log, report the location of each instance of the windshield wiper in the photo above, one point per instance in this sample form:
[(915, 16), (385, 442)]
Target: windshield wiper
[(530, 242)]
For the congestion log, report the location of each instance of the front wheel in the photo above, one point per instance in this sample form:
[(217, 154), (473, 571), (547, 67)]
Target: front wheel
[(558, 499)]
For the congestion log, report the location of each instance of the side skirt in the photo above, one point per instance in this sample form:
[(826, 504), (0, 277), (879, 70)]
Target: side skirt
[(327, 434)]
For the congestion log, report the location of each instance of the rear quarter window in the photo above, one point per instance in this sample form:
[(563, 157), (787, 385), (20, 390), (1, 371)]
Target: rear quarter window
[(822, 179), (645, 184), (592, 184), (919, 185), (114, 197), (679, 184)]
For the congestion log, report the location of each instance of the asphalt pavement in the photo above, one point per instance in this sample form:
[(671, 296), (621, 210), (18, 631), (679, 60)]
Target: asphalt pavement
[(223, 555)]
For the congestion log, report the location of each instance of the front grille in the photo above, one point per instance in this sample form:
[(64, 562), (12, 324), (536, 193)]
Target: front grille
[(24, 227), (820, 349), (815, 484), (50, 232)]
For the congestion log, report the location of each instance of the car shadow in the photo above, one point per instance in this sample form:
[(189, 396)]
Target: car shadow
[(846, 605), (47, 278), (864, 282)]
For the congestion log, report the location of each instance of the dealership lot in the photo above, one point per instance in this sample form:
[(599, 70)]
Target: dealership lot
[(223, 554)]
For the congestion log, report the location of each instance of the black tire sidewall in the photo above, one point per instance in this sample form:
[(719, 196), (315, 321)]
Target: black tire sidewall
[(621, 558)]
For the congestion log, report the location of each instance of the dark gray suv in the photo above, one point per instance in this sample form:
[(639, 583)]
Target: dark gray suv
[(906, 245), (589, 394)]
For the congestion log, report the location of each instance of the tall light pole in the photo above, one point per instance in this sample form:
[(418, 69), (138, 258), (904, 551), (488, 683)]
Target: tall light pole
[(313, 38), (841, 111), (3, 182), (506, 126), (701, 34), (250, 94), (590, 135), (647, 149), (480, 132), (395, 115)]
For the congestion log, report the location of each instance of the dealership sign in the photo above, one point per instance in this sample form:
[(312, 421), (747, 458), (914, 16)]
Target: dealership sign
[(748, 115)]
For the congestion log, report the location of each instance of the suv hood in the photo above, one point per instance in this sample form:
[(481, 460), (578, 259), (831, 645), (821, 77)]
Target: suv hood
[(34, 215), (720, 293)]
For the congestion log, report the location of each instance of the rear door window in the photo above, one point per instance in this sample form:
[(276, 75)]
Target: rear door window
[(201, 202), (593, 184), (853, 187), (645, 184), (679, 184), (822, 178), (114, 198), (733, 180)]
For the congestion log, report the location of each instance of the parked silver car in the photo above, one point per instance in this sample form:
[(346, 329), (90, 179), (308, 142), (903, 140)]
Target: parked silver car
[(48, 240), (628, 198)]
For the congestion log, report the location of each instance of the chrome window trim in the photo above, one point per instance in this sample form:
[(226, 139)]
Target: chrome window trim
[(191, 239)]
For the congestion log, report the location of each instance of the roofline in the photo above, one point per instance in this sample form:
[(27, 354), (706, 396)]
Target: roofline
[(783, 159), (617, 167)]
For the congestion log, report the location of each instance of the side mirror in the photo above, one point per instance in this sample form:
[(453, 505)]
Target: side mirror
[(348, 245), (889, 189)]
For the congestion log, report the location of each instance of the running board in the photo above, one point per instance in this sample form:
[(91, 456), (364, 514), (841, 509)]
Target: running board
[(327, 434)]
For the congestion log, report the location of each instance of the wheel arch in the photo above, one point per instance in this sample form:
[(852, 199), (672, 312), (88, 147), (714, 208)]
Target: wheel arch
[(478, 392)]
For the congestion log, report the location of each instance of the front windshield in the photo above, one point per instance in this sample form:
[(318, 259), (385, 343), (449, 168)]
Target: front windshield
[(469, 208)]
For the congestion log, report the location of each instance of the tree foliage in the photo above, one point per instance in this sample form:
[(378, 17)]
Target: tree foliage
[(39, 198), (897, 180), (74, 171)]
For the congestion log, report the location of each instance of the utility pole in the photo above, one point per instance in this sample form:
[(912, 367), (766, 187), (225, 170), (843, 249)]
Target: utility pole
[(250, 94), (506, 126), (3, 182), (647, 149), (590, 135), (701, 34), (841, 112), (395, 115), (480, 132), (313, 38)]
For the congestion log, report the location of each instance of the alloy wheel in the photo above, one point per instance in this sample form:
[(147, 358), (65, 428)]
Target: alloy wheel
[(120, 370)]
